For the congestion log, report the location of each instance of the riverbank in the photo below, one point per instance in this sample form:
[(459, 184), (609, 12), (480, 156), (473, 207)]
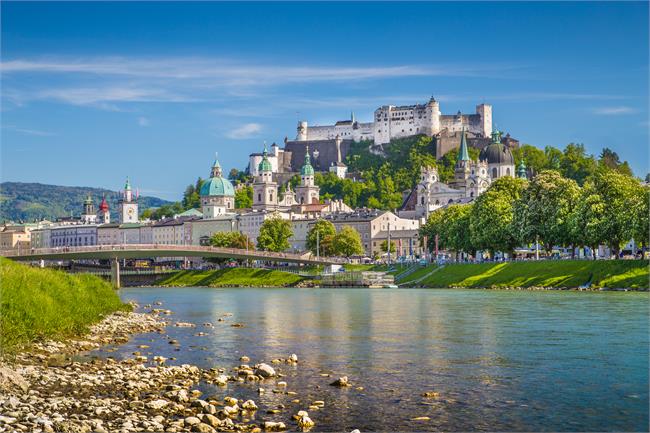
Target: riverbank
[(231, 277), (38, 304), (557, 274)]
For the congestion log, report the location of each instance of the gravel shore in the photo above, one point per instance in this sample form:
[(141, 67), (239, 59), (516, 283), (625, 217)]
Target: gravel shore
[(52, 388)]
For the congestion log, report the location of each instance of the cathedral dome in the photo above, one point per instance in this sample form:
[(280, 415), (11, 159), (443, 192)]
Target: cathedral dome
[(496, 152), (217, 185), (265, 165), (307, 169)]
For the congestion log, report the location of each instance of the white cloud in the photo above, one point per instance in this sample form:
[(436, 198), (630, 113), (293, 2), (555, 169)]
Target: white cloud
[(32, 132), (143, 121), (614, 111), (248, 130)]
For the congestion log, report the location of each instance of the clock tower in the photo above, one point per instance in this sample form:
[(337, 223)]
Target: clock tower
[(128, 205)]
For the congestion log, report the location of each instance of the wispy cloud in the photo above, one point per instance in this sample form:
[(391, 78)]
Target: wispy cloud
[(143, 121), (614, 111), (248, 130), (32, 132)]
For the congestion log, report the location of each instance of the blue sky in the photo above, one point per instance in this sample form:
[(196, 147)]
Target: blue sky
[(93, 92)]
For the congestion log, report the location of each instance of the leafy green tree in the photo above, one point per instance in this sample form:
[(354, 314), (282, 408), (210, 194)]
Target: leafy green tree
[(544, 209), (554, 157), (492, 216), (611, 160), (642, 220), (274, 234), (384, 246), (347, 242), (244, 197), (535, 158), (451, 225), (231, 240), (321, 235), (608, 210), (576, 164)]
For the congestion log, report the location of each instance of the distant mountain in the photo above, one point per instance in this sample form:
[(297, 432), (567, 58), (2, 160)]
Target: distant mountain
[(35, 201)]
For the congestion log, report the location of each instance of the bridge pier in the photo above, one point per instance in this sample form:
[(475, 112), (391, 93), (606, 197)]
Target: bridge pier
[(115, 273)]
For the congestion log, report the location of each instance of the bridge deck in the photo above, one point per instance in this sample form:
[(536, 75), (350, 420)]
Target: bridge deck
[(140, 251)]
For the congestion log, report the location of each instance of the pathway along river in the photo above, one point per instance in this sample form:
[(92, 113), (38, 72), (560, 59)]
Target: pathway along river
[(500, 360)]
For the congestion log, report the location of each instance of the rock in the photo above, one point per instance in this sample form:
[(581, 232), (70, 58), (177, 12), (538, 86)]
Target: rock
[(282, 384), (305, 422), (221, 380), (231, 410), (293, 358), (260, 390), (244, 359), (11, 380), (202, 404), (420, 418), (58, 360), (431, 394), (230, 401), (274, 426), (319, 403), (203, 428), (355, 431), (192, 420), (249, 405), (212, 420), (173, 342), (341, 382), (265, 370), (157, 404), (237, 325)]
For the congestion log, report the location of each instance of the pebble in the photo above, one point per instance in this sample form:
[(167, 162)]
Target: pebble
[(265, 370), (341, 382)]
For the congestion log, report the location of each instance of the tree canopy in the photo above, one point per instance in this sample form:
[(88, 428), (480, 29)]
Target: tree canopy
[(321, 234), (274, 234)]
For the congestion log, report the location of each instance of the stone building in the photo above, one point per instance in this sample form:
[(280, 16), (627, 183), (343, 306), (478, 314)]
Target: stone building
[(128, 205)]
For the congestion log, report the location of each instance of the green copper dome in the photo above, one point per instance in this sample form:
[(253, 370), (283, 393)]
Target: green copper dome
[(521, 170), (265, 164), (217, 185), (307, 169)]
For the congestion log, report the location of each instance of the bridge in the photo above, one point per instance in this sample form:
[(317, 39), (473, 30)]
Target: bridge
[(141, 251)]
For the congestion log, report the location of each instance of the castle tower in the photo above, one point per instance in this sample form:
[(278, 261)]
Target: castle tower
[(128, 205), (302, 131), (265, 190), (89, 216), (217, 194), (485, 111), (433, 117), (104, 215), (307, 192)]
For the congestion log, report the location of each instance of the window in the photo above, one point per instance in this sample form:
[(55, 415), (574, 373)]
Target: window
[(508, 171), (494, 173), (259, 197)]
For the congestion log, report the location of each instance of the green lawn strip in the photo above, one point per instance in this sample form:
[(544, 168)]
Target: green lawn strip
[(417, 274), (231, 277), (560, 273), (37, 304)]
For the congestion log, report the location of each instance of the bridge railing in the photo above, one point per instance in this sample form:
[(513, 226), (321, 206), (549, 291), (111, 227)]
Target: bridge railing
[(254, 254)]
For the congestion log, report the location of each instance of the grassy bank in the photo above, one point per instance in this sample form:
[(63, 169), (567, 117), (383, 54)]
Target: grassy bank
[(631, 274), (40, 304), (234, 277)]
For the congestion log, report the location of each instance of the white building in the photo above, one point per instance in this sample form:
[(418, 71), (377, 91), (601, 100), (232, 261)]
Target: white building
[(128, 205)]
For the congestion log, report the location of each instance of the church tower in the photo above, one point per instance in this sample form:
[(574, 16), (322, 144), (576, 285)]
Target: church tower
[(308, 192), (89, 216), (265, 190), (128, 205), (104, 215)]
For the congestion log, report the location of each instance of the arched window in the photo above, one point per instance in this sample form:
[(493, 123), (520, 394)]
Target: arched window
[(259, 197), (508, 171), (494, 173), (437, 201), (421, 200)]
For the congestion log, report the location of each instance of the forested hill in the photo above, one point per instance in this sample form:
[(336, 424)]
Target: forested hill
[(34, 201)]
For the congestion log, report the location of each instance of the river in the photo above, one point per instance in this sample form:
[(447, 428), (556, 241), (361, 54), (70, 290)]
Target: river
[(500, 360)]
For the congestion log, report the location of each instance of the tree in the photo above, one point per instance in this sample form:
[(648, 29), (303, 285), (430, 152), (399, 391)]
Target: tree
[(611, 160), (231, 240), (492, 215), (544, 209), (321, 233), (608, 211), (642, 220), (534, 158), (384, 246), (244, 197), (451, 225), (347, 242), (576, 164), (554, 157), (274, 234)]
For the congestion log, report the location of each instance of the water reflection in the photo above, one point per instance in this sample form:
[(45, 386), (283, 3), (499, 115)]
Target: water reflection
[(501, 361)]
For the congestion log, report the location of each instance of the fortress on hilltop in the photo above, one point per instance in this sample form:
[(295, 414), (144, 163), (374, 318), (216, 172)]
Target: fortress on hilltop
[(330, 144)]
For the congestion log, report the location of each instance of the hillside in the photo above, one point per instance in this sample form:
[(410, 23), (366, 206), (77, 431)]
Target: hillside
[(34, 201)]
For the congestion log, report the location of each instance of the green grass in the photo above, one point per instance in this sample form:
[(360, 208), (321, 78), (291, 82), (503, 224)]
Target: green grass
[(419, 273), (631, 274), (37, 304), (232, 277)]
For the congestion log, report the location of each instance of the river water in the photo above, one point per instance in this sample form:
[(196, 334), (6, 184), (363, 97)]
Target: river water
[(500, 360)]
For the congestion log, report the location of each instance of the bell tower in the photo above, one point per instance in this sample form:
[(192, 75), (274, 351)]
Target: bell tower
[(128, 205)]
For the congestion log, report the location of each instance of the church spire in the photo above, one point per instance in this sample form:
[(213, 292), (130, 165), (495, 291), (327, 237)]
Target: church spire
[(521, 170), (216, 167), (463, 154)]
